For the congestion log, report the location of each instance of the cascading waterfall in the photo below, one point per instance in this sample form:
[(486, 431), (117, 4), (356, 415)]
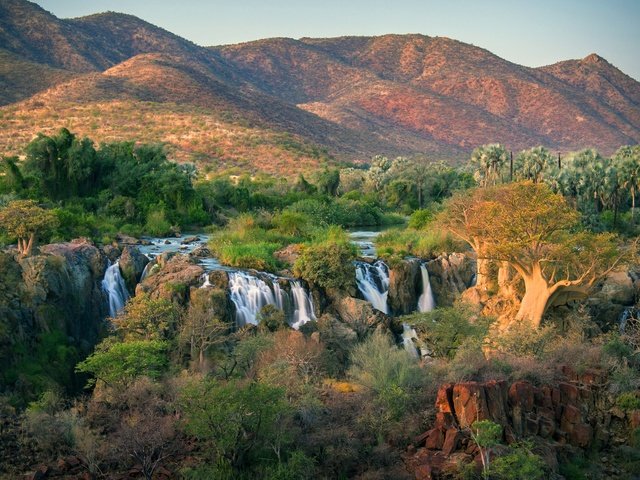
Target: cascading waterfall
[(408, 334), (113, 285), (302, 305), (250, 294), (146, 269), (626, 314), (426, 302), (373, 283)]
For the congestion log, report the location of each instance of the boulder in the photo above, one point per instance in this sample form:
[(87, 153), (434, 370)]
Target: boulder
[(132, 264), (173, 280), (190, 239), (123, 239), (450, 275), (404, 286), (359, 315)]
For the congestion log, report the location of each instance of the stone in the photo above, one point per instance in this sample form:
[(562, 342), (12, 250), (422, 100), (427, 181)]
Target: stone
[(191, 239), (359, 315), (132, 263), (434, 439), (123, 239), (451, 441), (450, 275), (469, 403), (581, 435), (173, 280), (404, 286)]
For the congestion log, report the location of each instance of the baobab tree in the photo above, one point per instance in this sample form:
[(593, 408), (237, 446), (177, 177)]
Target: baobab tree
[(535, 232), (25, 220)]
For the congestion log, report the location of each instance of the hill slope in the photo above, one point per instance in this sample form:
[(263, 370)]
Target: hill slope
[(284, 104)]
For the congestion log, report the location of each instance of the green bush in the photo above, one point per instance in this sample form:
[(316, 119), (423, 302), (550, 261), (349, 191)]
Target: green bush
[(445, 329), (518, 464), (628, 401), (157, 224), (423, 244), (328, 264), (420, 219)]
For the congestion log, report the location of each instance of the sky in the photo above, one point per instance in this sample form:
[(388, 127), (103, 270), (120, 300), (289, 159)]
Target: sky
[(531, 32)]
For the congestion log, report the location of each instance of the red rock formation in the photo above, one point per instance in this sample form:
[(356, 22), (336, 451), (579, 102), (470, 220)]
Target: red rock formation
[(574, 412)]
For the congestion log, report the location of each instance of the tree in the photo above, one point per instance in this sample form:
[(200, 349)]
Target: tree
[(486, 434), (144, 318), (236, 418), (535, 232), (328, 181), (628, 160), (24, 219), (119, 364), (489, 161), (531, 164), (203, 328)]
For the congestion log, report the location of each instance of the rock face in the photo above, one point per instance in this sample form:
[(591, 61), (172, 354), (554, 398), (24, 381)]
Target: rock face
[(132, 264), (173, 280), (404, 286), (617, 292), (56, 290), (576, 412), (359, 315), (450, 275)]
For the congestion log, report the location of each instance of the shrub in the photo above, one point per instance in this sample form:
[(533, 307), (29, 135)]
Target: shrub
[(157, 223), (420, 219), (388, 372), (444, 329), (519, 463), (628, 401), (328, 264)]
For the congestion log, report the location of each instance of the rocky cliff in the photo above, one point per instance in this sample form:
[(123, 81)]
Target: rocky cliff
[(575, 413)]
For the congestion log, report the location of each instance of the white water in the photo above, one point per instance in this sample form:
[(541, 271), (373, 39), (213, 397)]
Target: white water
[(250, 294), (373, 283), (626, 314), (302, 305), (145, 272), (408, 334), (115, 288), (426, 302)]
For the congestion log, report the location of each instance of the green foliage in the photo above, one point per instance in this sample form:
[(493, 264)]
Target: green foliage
[(144, 318), (519, 464), (420, 219), (389, 373), (157, 224), (271, 319), (445, 329), (329, 263), (419, 243), (628, 401), (239, 419), (46, 364), (118, 364), (24, 219)]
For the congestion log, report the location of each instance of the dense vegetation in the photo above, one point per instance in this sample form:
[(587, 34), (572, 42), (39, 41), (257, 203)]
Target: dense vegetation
[(179, 386)]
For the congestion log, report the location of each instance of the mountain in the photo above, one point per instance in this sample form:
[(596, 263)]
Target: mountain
[(284, 105)]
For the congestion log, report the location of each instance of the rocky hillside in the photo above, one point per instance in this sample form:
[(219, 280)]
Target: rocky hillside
[(295, 104)]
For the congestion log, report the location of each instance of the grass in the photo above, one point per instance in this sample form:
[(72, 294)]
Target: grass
[(418, 243)]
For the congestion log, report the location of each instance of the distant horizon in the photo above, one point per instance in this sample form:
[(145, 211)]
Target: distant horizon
[(532, 35)]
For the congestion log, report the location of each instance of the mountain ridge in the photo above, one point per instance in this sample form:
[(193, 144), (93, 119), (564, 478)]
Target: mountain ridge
[(350, 97)]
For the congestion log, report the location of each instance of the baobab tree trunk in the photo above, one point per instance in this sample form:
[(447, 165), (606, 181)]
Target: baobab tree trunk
[(483, 273), (536, 298), (505, 280), (25, 246)]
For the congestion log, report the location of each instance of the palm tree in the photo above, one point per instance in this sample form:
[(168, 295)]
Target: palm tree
[(531, 164), (628, 159), (488, 161)]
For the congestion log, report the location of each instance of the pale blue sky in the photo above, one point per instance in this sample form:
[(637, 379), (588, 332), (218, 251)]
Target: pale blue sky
[(531, 32)]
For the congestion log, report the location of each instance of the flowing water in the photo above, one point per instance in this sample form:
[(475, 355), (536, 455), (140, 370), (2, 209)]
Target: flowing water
[(113, 285), (373, 282), (426, 302), (250, 293)]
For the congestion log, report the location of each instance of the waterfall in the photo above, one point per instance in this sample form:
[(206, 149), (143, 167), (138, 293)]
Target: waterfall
[(113, 285), (302, 305), (147, 267), (408, 334), (250, 293), (373, 283), (205, 280), (626, 314), (426, 302)]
